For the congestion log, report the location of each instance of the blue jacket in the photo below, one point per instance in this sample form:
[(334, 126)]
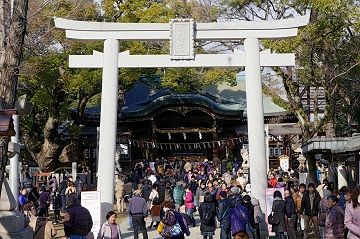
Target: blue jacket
[(224, 211), (22, 200), (239, 218)]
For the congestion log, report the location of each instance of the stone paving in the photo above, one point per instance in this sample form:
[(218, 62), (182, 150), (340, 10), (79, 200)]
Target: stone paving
[(122, 220)]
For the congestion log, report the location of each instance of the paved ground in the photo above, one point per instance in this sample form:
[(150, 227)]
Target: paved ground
[(122, 220)]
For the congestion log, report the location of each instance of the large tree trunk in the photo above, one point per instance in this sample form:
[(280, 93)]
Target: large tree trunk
[(12, 33), (50, 149)]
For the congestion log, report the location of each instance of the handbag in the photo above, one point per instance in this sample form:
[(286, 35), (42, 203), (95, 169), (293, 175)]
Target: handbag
[(171, 231), (273, 219), (160, 227)]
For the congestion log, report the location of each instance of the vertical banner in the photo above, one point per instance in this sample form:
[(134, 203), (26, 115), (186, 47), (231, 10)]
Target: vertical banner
[(269, 198), (91, 201)]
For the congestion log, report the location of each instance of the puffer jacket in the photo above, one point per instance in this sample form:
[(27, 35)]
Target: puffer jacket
[(334, 223), (189, 200), (77, 221), (352, 221), (178, 195), (239, 217)]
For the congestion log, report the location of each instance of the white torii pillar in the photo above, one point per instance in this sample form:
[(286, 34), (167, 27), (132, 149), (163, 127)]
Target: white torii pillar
[(255, 120), (182, 34), (108, 125)]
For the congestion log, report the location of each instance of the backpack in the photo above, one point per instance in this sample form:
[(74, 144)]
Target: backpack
[(207, 215)]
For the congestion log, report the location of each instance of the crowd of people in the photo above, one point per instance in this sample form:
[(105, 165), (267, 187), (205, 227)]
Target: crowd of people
[(222, 198), (180, 194)]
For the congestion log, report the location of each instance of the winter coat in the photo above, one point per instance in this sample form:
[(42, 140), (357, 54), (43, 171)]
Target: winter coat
[(272, 182), (77, 221), (172, 217), (22, 200), (342, 200), (323, 210), (146, 190), (105, 231), (306, 206), (239, 217), (223, 211), (153, 195), (352, 221), (187, 167), (57, 202), (297, 199), (119, 189), (334, 223), (199, 198), (289, 207), (278, 208), (44, 199), (257, 210), (189, 200), (211, 226), (42, 228), (137, 206), (178, 195), (250, 208)]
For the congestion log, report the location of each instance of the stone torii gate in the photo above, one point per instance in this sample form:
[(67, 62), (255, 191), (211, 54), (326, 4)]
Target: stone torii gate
[(182, 33)]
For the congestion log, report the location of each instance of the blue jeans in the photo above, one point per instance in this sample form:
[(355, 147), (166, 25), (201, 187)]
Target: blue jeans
[(225, 232), (77, 237), (189, 212), (280, 235)]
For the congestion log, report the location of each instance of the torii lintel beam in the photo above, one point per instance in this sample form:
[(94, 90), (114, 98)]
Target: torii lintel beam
[(275, 29), (126, 60)]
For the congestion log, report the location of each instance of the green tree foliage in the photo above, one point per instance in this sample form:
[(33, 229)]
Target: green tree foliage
[(326, 57), (55, 89)]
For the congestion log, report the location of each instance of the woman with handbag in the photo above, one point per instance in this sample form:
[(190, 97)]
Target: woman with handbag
[(173, 225), (278, 209)]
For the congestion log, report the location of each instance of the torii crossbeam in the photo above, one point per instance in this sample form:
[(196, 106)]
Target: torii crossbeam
[(182, 33)]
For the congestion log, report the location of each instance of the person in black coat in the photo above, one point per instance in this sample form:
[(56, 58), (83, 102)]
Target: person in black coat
[(278, 208), (223, 216), (290, 213), (207, 212), (250, 208), (310, 210)]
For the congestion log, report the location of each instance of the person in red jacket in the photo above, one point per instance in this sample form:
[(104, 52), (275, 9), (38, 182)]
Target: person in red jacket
[(189, 204), (272, 181)]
